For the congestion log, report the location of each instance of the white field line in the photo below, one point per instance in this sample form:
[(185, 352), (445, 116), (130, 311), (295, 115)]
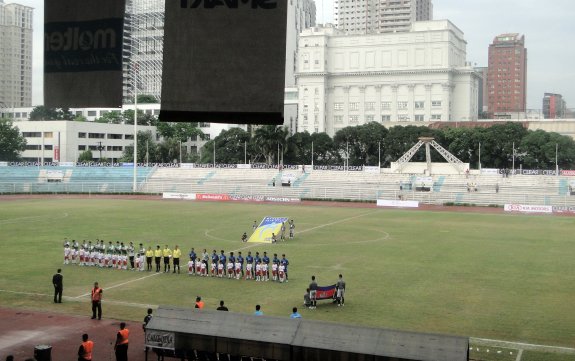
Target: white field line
[(302, 231), (121, 284), (519, 355), (336, 222), (33, 218), (521, 346), (77, 299)]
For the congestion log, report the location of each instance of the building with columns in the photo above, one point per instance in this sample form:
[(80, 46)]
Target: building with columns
[(418, 76)]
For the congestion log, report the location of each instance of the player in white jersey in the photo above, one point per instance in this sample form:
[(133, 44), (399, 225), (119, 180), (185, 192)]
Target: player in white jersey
[(249, 271), (198, 267), (191, 266), (107, 260), (74, 252), (142, 261), (220, 270), (274, 271), (81, 256), (265, 272), (114, 260), (67, 252), (281, 273), (214, 269), (137, 261), (230, 269), (238, 269), (204, 268), (258, 271)]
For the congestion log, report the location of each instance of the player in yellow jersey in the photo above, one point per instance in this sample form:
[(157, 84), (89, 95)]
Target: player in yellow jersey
[(176, 254), (167, 254)]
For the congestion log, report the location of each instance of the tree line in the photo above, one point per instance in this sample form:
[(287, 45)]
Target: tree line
[(370, 144)]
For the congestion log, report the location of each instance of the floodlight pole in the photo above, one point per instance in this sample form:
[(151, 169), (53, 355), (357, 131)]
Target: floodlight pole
[(480, 156), (312, 153), (556, 158), (135, 185), (245, 152), (379, 155), (513, 163)]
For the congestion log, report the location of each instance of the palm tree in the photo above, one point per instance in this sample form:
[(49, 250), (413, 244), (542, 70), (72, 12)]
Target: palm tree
[(268, 139)]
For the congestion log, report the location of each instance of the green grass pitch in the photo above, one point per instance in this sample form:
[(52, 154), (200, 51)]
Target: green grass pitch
[(496, 276)]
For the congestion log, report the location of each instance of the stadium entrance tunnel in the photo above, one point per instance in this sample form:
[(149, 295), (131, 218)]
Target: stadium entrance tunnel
[(191, 334)]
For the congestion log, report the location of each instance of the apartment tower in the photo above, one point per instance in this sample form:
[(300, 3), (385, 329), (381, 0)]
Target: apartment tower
[(507, 76), (380, 16), (15, 55)]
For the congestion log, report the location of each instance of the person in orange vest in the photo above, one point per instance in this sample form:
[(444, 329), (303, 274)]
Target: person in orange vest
[(199, 303), (96, 301), (85, 350), (121, 346)]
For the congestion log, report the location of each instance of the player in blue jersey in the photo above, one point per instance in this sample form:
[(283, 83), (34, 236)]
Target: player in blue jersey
[(223, 260), (193, 257), (240, 259), (215, 259), (284, 262), (266, 261)]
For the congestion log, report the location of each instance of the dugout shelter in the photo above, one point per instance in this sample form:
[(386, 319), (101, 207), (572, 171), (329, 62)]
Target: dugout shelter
[(185, 333)]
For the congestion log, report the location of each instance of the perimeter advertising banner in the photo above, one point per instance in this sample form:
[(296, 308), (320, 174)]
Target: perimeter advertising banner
[(224, 61), (269, 225), (83, 53)]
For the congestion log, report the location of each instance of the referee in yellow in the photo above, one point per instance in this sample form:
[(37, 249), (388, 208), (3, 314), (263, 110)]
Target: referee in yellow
[(176, 256), (167, 253), (157, 257), (149, 256)]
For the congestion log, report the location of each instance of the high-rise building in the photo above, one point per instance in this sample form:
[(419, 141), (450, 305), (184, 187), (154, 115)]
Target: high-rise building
[(418, 76), (15, 55), (507, 76), (483, 93), (380, 16), (553, 106)]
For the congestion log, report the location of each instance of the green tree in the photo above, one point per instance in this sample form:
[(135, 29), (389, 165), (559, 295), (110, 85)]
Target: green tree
[(230, 146), (147, 99), (143, 118), (180, 131), (113, 117), (497, 144), (86, 156), (147, 149), (44, 113), (11, 141), (464, 144), (168, 151)]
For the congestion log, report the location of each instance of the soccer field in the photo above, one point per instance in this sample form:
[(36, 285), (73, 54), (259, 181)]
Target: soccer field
[(494, 276)]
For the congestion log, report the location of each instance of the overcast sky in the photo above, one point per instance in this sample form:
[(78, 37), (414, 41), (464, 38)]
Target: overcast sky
[(548, 26)]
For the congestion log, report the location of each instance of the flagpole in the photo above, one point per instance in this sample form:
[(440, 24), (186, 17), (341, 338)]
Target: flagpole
[(312, 155), (556, 158), (479, 155), (245, 152), (379, 155), (214, 153), (513, 166)]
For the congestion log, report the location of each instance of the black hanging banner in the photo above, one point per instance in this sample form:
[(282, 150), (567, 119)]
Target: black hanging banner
[(83, 53), (224, 61)]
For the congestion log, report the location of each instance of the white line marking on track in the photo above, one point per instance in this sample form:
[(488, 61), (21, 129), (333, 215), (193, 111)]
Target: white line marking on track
[(121, 284)]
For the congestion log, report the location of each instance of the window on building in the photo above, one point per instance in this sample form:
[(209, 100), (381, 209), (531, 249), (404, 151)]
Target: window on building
[(92, 113), (48, 135), (114, 136), (194, 149), (385, 105), (353, 119), (96, 135), (33, 147), (419, 105), (401, 105), (386, 118), (81, 135), (48, 147), (436, 103), (82, 147), (436, 116), (93, 147), (337, 106), (338, 119), (206, 137), (129, 136), (32, 135), (403, 118), (370, 106), (204, 125), (419, 117), (354, 106), (369, 118)]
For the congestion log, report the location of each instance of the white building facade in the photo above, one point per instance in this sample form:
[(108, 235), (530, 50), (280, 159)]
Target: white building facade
[(73, 137), (417, 76), (380, 16), (15, 55)]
